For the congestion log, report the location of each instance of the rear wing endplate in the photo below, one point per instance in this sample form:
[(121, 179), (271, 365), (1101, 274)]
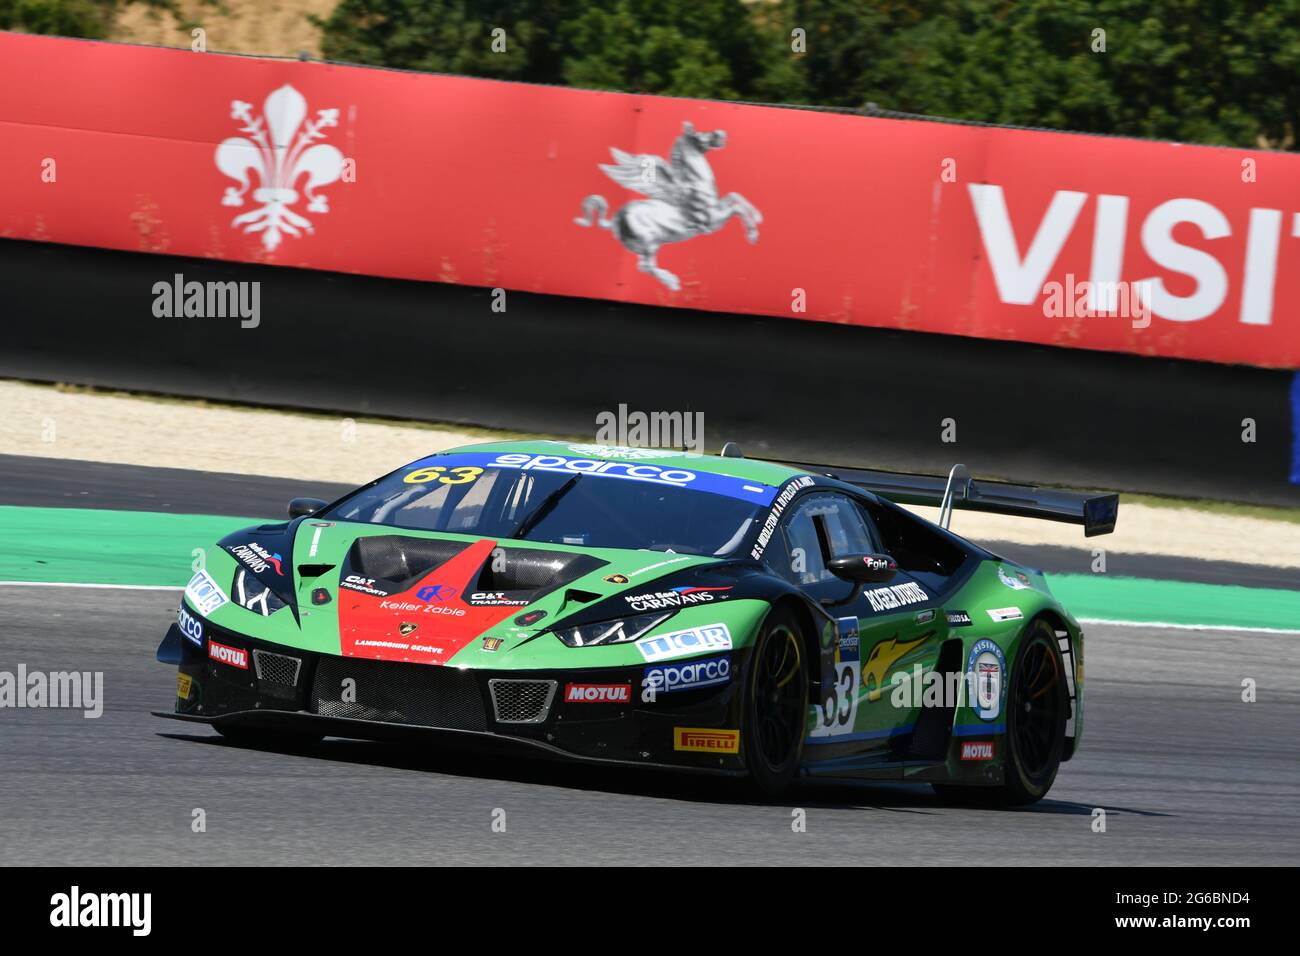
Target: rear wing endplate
[(1097, 512)]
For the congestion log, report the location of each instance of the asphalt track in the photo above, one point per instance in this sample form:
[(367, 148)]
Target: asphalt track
[(1186, 772)]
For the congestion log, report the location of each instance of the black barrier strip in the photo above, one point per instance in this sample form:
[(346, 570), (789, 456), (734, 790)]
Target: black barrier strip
[(1295, 429), (783, 388)]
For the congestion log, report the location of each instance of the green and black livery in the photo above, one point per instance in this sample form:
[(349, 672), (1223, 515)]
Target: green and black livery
[(650, 608)]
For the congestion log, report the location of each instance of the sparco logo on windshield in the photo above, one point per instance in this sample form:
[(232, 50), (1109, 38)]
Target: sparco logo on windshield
[(610, 469)]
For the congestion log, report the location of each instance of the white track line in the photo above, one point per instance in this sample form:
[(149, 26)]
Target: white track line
[(75, 584), (1189, 627)]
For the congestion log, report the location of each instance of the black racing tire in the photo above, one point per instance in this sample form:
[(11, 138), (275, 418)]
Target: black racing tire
[(775, 704), (273, 739), (1037, 707)]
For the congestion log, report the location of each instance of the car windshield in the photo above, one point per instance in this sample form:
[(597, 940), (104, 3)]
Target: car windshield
[(559, 505)]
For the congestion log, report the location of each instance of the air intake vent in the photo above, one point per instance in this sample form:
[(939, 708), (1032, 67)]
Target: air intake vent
[(531, 569), (277, 668), (400, 693), (521, 701), (399, 558)]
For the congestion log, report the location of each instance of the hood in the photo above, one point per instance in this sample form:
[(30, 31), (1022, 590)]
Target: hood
[(423, 599), (383, 593)]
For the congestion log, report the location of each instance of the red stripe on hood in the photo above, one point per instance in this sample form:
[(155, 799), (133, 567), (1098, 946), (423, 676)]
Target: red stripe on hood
[(371, 626)]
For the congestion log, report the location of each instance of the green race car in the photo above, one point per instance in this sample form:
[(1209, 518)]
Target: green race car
[(651, 608)]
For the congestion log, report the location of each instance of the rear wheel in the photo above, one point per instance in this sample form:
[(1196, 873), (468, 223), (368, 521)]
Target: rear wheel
[(775, 704), (1037, 707)]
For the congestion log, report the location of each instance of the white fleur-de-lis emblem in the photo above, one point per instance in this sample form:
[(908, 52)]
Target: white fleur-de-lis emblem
[(278, 148)]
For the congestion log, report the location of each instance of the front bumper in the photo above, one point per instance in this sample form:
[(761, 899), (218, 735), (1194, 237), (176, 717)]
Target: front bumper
[(257, 685)]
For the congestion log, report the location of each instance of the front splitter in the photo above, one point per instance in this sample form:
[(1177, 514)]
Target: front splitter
[(301, 722)]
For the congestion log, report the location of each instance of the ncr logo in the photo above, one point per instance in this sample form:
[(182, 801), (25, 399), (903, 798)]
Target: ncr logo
[(234, 656), (598, 693)]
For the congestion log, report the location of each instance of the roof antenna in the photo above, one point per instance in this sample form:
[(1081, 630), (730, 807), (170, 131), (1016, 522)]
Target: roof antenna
[(732, 450)]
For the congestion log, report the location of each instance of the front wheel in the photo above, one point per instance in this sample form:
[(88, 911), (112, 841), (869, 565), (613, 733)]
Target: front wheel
[(775, 704), (1037, 708)]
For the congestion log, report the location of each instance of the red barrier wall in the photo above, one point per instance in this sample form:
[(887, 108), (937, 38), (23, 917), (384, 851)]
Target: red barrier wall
[(911, 225)]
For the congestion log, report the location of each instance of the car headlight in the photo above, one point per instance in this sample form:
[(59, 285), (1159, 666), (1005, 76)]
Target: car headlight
[(250, 593), (621, 631)]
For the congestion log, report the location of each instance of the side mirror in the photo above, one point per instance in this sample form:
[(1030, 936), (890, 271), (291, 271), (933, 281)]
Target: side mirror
[(864, 568), (301, 507)]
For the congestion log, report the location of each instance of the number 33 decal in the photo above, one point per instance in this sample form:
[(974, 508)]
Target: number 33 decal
[(456, 476), (841, 704), (840, 707)]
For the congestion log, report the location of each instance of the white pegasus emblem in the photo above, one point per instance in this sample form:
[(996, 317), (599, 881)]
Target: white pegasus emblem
[(683, 202), (277, 148)]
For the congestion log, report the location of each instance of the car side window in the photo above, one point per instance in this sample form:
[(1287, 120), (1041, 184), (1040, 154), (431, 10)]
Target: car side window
[(821, 526), (921, 550)]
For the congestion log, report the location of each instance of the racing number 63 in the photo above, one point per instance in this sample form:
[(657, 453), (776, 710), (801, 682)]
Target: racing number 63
[(841, 704), (456, 476)]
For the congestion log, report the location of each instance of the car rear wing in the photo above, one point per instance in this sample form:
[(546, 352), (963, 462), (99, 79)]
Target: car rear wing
[(1096, 511)]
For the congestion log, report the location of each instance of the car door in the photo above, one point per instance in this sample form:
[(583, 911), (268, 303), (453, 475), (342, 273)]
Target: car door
[(882, 629)]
